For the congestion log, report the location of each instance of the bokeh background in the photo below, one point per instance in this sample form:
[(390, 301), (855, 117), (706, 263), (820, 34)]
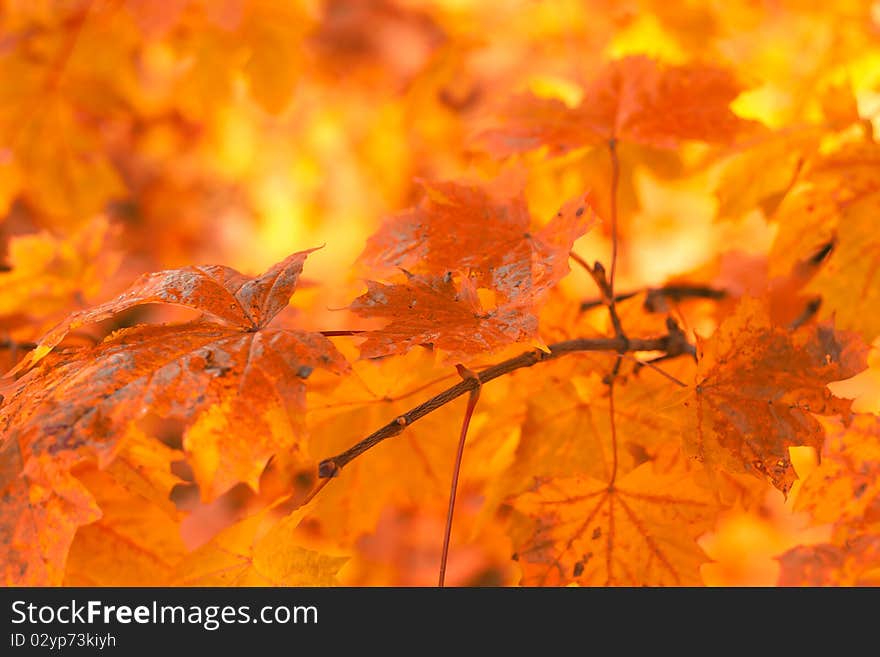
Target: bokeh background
[(139, 135)]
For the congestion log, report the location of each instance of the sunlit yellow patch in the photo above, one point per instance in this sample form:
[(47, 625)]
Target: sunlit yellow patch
[(236, 142), (554, 87), (645, 35), (673, 228), (767, 103)]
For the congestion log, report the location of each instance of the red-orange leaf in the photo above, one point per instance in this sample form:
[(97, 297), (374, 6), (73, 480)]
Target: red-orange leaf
[(225, 294), (757, 387), (828, 564), (458, 227), (845, 488), (43, 506), (844, 491), (633, 99), (435, 311), (212, 375)]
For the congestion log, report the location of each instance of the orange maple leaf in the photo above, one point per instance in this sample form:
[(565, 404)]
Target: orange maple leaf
[(836, 204), (828, 564), (844, 491), (436, 311), (43, 506), (639, 530), (634, 99), (460, 227), (229, 370), (757, 388)]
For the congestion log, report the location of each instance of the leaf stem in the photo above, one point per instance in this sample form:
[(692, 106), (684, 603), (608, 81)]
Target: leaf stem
[(468, 413), (615, 181), (607, 289), (613, 432)]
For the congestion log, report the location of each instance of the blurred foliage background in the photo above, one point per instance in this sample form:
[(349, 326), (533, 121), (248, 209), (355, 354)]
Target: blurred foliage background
[(137, 135)]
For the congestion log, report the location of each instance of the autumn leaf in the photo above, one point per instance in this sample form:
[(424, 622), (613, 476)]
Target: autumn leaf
[(62, 163), (437, 311), (845, 488), (251, 553), (639, 530), (273, 32), (828, 564), (759, 175), (218, 291), (212, 374), (399, 43), (44, 505), (757, 388), (48, 274), (844, 492), (459, 227), (836, 203), (634, 99), (136, 539), (566, 430)]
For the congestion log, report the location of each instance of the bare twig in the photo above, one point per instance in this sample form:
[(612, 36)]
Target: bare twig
[(12, 345), (674, 343), (655, 299), (604, 285)]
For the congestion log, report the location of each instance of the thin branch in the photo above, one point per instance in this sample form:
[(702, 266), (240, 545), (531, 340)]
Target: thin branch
[(674, 343), (12, 345), (655, 300), (333, 334), (604, 285)]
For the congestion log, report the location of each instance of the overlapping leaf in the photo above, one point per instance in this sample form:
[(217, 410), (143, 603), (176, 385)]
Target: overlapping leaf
[(757, 388), (458, 227), (843, 491), (234, 299), (43, 506), (258, 552), (638, 530), (837, 203), (212, 374), (46, 273), (566, 430), (467, 230), (633, 99), (436, 311)]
